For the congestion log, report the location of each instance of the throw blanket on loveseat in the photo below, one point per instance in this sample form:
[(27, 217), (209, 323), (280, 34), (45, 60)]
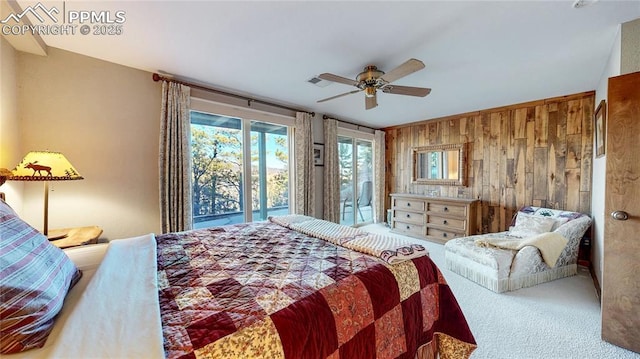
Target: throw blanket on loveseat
[(550, 244)]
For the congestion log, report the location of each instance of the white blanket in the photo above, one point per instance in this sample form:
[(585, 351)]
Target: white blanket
[(550, 244), (118, 315)]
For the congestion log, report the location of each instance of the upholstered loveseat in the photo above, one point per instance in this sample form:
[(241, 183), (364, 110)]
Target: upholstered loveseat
[(483, 259)]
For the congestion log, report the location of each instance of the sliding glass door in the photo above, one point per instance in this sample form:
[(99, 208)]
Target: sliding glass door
[(216, 160), (269, 170), (356, 180), (226, 151)]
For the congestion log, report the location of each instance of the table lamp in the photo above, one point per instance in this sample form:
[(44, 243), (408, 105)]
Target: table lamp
[(4, 174), (45, 166)]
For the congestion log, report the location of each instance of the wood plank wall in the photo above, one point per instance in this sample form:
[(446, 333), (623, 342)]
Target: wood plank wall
[(536, 153)]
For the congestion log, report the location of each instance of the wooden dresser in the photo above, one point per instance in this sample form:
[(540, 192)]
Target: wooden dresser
[(436, 219)]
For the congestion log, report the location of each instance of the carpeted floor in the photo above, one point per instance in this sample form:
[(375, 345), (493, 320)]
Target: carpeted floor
[(558, 319)]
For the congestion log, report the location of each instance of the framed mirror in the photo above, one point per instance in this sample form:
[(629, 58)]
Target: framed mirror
[(439, 164)]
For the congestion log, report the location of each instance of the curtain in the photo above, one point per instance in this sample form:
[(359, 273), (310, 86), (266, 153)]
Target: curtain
[(175, 158), (331, 172), (379, 173), (304, 165)]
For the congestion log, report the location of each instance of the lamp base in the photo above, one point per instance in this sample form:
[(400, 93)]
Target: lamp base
[(57, 234)]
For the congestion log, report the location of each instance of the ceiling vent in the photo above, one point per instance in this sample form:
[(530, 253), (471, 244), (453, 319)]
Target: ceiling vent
[(577, 4), (319, 82)]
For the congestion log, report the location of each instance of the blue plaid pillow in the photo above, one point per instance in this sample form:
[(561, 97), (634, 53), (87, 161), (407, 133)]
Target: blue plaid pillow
[(35, 277)]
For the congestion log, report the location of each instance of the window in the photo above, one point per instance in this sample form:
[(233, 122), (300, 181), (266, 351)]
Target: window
[(216, 161), (240, 169), (355, 154)]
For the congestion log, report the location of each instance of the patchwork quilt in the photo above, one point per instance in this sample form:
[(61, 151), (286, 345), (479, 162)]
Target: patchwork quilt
[(262, 290)]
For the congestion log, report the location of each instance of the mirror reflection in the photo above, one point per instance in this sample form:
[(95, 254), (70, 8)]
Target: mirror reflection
[(439, 164)]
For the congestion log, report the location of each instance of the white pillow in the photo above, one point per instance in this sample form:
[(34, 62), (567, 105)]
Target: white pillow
[(528, 225)]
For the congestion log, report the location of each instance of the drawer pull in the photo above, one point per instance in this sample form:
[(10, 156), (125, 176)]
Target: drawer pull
[(408, 227), (408, 215), (446, 209), (445, 222), (408, 204), (444, 235)]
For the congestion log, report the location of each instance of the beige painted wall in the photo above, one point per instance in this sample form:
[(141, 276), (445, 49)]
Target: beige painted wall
[(9, 124), (630, 60), (105, 119), (599, 167)]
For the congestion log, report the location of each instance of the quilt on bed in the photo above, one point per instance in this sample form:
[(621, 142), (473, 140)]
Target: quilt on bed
[(261, 290)]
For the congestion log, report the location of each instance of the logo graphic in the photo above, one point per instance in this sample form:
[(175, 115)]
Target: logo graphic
[(94, 22), (34, 12)]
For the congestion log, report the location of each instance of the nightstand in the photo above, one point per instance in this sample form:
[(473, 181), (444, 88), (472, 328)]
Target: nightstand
[(76, 236)]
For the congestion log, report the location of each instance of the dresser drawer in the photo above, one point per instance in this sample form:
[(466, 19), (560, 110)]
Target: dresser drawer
[(437, 219), (408, 204), (450, 223), (447, 209), (409, 228), (410, 217), (443, 235)]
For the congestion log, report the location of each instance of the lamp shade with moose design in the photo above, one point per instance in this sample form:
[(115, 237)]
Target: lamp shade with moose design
[(44, 166)]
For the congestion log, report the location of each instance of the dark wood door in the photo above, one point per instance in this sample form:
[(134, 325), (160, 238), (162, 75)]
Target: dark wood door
[(621, 274)]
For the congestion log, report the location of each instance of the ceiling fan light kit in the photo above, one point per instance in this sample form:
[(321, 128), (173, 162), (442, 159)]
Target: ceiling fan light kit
[(371, 79), (370, 91), (370, 75)]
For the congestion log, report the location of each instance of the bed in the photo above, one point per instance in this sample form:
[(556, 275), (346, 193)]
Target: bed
[(291, 287)]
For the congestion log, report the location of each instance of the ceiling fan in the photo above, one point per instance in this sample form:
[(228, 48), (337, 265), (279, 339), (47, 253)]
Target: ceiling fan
[(372, 79)]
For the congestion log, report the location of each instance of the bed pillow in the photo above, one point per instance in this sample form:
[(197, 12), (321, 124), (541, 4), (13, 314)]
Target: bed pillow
[(528, 225), (35, 277)]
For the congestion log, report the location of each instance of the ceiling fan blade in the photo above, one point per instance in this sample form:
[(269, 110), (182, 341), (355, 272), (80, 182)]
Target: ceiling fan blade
[(409, 67), (336, 78), (370, 102), (336, 96), (406, 90)]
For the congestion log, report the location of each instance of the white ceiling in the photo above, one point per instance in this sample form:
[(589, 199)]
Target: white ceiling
[(478, 54)]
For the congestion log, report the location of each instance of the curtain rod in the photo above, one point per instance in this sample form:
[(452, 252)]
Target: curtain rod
[(325, 117), (156, 77)]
